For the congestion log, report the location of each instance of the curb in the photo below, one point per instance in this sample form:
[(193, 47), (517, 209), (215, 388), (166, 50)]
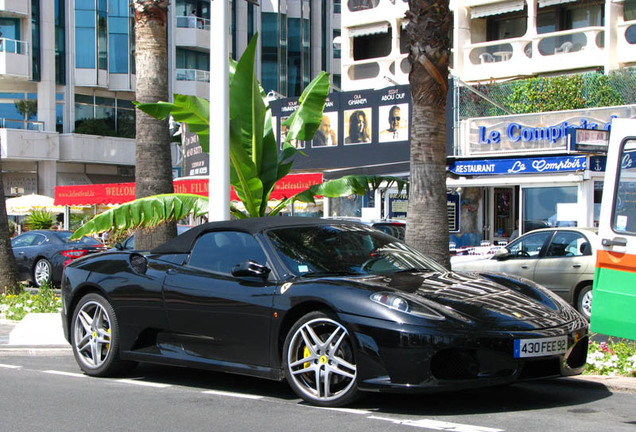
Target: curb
[(613, 383), (17, 350)]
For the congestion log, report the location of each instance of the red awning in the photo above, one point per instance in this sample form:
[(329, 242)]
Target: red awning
[(118, 193)]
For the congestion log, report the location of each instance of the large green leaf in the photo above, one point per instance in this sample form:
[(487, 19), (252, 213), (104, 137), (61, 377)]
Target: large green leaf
[(145, 212), (193, 110)]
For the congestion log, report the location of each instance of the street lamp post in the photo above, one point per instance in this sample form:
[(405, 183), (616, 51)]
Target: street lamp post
[(219, 165)]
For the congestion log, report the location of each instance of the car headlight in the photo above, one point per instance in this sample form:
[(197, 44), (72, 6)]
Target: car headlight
[(399, 303)]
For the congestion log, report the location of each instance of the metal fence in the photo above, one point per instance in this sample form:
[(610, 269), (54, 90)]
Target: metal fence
[(589, 90)]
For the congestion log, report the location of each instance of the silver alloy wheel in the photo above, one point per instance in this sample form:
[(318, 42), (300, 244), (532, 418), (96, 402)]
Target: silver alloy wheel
[(42, 272), (320, 360), (92, 335), (586, 304)]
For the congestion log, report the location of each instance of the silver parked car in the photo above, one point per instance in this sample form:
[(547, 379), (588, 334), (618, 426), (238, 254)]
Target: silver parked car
[(561, 259)]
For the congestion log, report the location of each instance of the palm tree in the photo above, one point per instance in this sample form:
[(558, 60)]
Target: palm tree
[(153, 171), (9, 281), (429, 25)]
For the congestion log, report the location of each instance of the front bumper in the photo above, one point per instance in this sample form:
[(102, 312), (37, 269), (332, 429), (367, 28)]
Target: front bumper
[(401, 358)]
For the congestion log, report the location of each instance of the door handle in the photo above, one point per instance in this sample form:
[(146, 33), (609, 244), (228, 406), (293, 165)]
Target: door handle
[(525, 267), (576, 265), (616, 241)]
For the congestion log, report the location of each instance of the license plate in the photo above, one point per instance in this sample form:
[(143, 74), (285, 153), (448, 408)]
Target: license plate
[(540, 347)]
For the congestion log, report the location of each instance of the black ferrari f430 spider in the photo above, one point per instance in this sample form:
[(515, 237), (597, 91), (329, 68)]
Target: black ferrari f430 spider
[(336, 308)]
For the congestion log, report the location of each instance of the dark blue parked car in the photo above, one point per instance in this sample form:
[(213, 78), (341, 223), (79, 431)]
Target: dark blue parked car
[(42, 254)]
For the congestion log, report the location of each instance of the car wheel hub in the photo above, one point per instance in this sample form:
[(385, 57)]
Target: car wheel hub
[(42, 273), (92, 335), (320, 360)]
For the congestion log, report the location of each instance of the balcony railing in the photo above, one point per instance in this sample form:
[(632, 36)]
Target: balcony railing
[(21, 124), (14, 46), (366, 72), (193, 75), (578, 48), (193, 22)]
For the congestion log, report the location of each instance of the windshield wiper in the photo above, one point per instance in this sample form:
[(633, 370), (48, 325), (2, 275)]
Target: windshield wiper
[(415, 270), (330, 273)]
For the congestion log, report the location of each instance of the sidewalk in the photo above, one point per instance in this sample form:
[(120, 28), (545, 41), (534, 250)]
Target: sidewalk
[(42, 334), (36, 331)]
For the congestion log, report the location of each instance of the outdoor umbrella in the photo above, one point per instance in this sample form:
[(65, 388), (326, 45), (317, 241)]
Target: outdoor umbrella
[(23, 205)]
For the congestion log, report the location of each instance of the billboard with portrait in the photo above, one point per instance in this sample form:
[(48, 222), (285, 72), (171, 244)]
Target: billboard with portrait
[(351, 133)]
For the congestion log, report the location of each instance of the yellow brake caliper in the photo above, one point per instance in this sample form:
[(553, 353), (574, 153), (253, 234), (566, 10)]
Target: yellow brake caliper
[(306, 353)]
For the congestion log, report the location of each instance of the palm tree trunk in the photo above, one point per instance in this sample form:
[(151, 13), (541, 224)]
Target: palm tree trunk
[(429, 24), (9, 280), (153, 171)]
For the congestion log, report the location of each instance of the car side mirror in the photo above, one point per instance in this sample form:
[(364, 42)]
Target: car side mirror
[(251, 269), (502, 254), (119, 246)]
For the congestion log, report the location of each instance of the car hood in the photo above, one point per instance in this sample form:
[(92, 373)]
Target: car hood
[(506, 301)]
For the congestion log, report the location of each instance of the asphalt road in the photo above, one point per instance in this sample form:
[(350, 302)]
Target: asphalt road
[(45, 391)]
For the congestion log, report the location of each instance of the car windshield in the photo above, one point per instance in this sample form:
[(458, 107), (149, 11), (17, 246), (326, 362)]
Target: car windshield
[(345, 249), (65, 235)]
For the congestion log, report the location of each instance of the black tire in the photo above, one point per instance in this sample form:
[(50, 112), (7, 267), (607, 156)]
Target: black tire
[(584, 301), (319, 361), (95, 337), (42, 272)]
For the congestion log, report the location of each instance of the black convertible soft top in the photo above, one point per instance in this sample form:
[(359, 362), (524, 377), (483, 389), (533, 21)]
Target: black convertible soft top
[(184, 242)]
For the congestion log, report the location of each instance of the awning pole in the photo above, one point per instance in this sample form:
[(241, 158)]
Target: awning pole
[(67, 217)]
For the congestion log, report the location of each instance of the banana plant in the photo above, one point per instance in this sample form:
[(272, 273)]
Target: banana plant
[(144, 212), (255, 162)]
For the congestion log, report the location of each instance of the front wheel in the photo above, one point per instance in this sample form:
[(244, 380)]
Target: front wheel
[(584, 301), (95, 337), (319, 361)]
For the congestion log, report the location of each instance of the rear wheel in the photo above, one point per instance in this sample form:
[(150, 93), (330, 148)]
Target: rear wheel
[(584, 301), (42, 272), (319, 361), (95, 337)]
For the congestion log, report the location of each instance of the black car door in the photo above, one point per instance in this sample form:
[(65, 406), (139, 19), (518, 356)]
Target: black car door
[(25, 248), (215, 314)]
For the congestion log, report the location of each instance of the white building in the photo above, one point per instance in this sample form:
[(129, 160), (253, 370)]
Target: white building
[(502, 41)]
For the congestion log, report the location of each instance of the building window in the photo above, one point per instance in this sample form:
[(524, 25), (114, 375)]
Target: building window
[(372, 46), (102, 34), (10, 33), (570, 16), (360, 5), (548, 207), (283, 54), (190, 59), (118, 26), (506, 26), (250, 21), (85, 34), (269, 51), (18, 111), (60, 43), (103, 116), (629, 10), (35, 39)]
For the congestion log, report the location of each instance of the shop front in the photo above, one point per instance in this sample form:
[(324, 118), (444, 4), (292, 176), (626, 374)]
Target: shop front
[(519, 173)]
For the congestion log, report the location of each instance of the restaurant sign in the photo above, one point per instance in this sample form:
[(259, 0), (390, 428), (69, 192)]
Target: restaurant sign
[(553, 164)]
